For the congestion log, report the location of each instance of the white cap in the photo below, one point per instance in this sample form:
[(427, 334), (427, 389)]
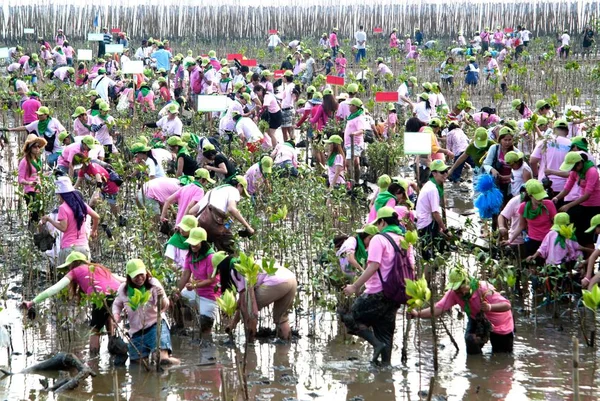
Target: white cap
[(63, 185)]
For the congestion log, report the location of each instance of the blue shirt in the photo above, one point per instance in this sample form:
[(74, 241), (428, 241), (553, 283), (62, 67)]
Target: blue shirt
[(162, 59)]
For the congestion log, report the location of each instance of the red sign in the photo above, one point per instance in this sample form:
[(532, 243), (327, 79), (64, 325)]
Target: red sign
[(115, 30), (508, 30), (232, 56), (333, 80), (385, 97), (272, 31), (204, 55), (249, 63), (378, 30), (278, 73)]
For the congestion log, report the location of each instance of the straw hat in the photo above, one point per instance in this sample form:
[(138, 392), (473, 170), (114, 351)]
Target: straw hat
[(32, 139)]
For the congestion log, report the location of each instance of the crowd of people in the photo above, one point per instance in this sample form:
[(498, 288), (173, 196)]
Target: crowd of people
[(538, 157)]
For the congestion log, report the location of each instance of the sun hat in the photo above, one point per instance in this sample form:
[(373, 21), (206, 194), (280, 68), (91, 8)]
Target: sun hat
[(73, 257), (580, 142), (426, 85), (71, 70), (205, 174), (353, 88), (266, 163), (513, 157), (516, 103), (342, 96), (423, 96), (79, 110), (385, 212), (561, 123), (92, 93), (101, 71), (212, 54), (541, 121), (135, 267), (535, 189), (334, 139), (327, 92), (481, 138), (243, 182), (223, 62), (43, 110), (356, 102), (403, 182), (139, 148), (457, 277), (217, 258), (505, 131), (307, 51), (541, 103), (369, 229), (238, 85), (173, 108), (571, 159), (33, 138), (161, 79), (435, 122), (176, 141), (311, 89), (317, 98), (413, 79), (301, 102), (224, 70), (208, 147), (62, 136), (594, 222), (438, 165), (205, 62), (380, 59), (63, 185), (384, 181), (197, 235), (341, 51)]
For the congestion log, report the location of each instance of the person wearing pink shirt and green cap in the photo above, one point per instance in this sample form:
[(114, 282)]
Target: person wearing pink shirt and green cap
[(590, 278), (490, 315)]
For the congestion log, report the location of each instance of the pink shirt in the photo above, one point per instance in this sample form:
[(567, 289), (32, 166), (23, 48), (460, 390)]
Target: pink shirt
[(551, 152), (79, 129), (161, 188), (555, 254), (68, 152), (382, 252), (93, 279), (373, 213), (356, 124), (271, 103), (282, 275), (186, 195), (340, 65), (511, 212), (339, 161), (195, 81), (288, 98), (343, 110), (72, 236), (484, 119), (145, 315), (61, 73), (30, 106), (320, 117), (383, 69), (348, 247), (502, 322), (333, 40), (538, 227), (590, 185), (429, 202), (254, 178), (27, 176), (393, 40), (457, 141), (203, 270), (68, 50), (283, 153)]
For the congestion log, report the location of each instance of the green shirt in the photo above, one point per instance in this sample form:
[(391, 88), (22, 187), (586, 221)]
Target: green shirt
[(478, 154)]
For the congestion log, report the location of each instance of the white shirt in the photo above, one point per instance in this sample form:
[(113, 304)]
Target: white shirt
[(170, 127), (154, 169), (402, 91), (525, 35), (422, 113), (565, 39), (101, 84), (294, 43), (162, 156), (428, 203), (220, 197), (288, 97), (124, 59), (274, 40), (360, 36), (139, 53), (249, 130)]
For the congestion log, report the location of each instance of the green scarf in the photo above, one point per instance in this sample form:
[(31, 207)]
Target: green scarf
[(37, 164), (382, 199), (186, 179), (355, 114), (197, 257), (331, 159), (178, 241), (197, 183), (564, 233), (145, 91), (43, 126), (208, 67), (473, 285), (531, 214), (225, 80), (94, 113), (360, 253), (289, 144), (439, 187), (182, 152), (130, 293), (393, 229), (586, 166)]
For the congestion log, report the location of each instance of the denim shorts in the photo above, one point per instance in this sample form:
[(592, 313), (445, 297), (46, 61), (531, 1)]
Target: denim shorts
[(145, 341)]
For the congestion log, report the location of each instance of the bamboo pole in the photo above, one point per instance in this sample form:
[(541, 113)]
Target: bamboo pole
[(575, 369)]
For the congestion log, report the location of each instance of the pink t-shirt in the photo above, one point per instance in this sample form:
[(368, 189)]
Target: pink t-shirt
[(511, 212), (68, 152), (538, 227), (271, 103), (373, 213), (382, 252), (590, 185), (457, 141), (343, 110), (92, 169), (30, 107), (428, 203), (283, 153), (203, 270), (383, 69), (27, 176), (69, 51), (145, 315), (551, 152), (186, 195), (72, 236), (356, 124), (485, 119), (339, 161), (282, 275), (348, 247), (79, 129), (161, 188), (340, 65), (93, 279), (253, 176), (555, 254), (320, 117), (502, 322), (333, 41)]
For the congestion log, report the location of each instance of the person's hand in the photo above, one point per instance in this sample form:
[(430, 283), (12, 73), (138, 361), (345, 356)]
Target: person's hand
[(585, 282), (494, 173), (44, 219), (160, 292), (190, 286), (251, 328), (529, 258), (413, 314), (450, 155), (94, 234), (486, 307), (164, 219), (250, 231), (27, 304), (564, 208), (555, 200), (350, 289), (503, 231), (505, 242)]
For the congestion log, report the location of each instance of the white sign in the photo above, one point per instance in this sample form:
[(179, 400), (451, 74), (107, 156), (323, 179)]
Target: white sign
[(212, 102), (95, 37), (3, 52), (84, 54), (114, 49), (133, 67), (417, 143), (28, 30)]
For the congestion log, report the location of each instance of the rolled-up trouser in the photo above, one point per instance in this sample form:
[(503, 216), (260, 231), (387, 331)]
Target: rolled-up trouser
[(376, 311), (280, 295)]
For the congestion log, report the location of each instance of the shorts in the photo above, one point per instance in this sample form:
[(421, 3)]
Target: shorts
[(275, 120), (287, 118), (281, 296), (152, 205), (144, 341), (357, 151), (205, 306), (101, 315), (111, 199), (64, 252)]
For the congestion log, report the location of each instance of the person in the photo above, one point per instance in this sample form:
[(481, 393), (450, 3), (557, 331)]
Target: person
[(278, 289), (588, 39), (171, 124), (249, 133), (334, 44), (404, 92), (590, 279), (185, 164), (143, 154), (372, 316), (457, 143), (430, 225), (422, 109), (395, 194), (101, 84), (145, 97), (525, 36), (381, 68), (352, 251), (536, 214), (258, 173), (154, 193), (309, 67), (188, 195), (176, 248), (340, 63), (290, 95), (104, 126), (335, 162), (273, 41), (71, 220), (447, 72), (560, 244), (285, 158), (143, 318), (495, 162), (472, 72), (419, 37), (394, 42), (521, 172), (65, 161), (215, 209), (86, 278), (106, 41), (163, 57), (361, 44), (29, 175), (485, 40), (198, 283), (354, 133), (564, 48), (521, 108), (271, 111), (510, 213), (585, 173), (217, 162), (488, 311)]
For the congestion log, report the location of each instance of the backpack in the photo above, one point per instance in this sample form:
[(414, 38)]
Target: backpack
[(394, 288)]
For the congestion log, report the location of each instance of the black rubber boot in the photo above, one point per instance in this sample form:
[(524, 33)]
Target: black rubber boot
[(386, 356), (378, 346)]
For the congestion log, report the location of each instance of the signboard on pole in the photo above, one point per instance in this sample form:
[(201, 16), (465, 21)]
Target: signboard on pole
[(114, 48), (133, 67), (28, 30), (385, 97), (210, 103), (84, 54), (417, 143), (95, 37), (333, 80)]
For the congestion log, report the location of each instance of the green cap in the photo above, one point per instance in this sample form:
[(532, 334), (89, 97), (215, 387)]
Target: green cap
[(384, 181), (540, 103), (541, 121), (266, 164), (212, 54), (311, 89), (561, 219), (243, 182), (90, 141), (92, 93), (594, 222), (423, 96), (481, 138), (173, 108), (353, 88), (197, 235), (73, 257), (380, 59), (238, 85), (217, 258), (208, 147), (246, 97), (104, 106), (391, 107), (580, 142), (571, 159), (385, 212), (288, 73), (334, 139), (438, 165), (79, 110), (203, 173), (427, 86), (513, 157), (435, 122), (33, 93), (369, 229), (188, 222), (561, 123), (139, 148), (176, 141), (413, 79), (327, 92), (356, 102), (512, 124), (516, 103), (457, 277), (505, 131), (62, 136), (43, 110), (135, 267), (535, 189)]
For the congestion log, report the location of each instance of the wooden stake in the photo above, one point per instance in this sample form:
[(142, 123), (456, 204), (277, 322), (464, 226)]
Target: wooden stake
[(575, 369)]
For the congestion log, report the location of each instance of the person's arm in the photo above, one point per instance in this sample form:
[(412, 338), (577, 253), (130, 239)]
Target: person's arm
[(437, 216), (233, 210), (591, 263), (502, 226), (185, 278), (250, 319), (371, 269), (338, 172), (522, 225), (95, 222), (558, 173), (180, 162), (60, 225), (221, 168), (165, 209), (534, 163), (426, 313), (566, 189), (461, 159), (49, 292), (501, 306), (20, 128), (352, 260)]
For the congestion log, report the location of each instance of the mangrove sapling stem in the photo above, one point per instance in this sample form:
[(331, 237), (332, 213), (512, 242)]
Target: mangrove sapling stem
[(575, 369), (434, 336), (431, 384), (158, 328), (116, 385), (404, 357), (450, 335)]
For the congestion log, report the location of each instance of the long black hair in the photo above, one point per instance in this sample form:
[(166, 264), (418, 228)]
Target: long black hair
[(75, 201)]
